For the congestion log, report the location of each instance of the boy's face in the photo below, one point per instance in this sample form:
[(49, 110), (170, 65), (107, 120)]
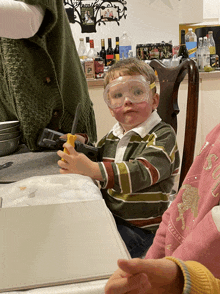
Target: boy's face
[(135, 109)]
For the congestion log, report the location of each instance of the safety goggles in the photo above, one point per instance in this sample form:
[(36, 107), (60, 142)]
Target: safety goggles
[(134, 88)]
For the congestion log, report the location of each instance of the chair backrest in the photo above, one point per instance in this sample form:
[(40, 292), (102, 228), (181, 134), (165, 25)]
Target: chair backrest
[(168, 109)]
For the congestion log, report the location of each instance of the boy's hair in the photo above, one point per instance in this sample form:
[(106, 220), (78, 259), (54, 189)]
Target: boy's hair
[(130, 66)]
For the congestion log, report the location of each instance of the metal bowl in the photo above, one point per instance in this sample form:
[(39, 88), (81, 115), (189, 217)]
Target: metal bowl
[(10, 130), (8, 124), (7, 136), (9, 146)]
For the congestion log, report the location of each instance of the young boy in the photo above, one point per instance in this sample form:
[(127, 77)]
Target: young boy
[(138, 158)]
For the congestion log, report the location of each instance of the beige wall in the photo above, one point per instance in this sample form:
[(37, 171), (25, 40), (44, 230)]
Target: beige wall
[(147, 21), (104, 120)]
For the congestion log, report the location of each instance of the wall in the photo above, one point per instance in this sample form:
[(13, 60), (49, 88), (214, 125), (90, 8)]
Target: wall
[(211, 16), (190, 11), (147, 21), (211, 9)]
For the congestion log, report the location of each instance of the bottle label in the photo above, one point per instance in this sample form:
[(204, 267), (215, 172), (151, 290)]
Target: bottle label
[(82, 57), (89, 69), (199, 61), (155, 53), (110, 56), (212, 50), (99, 66), (117, 57), (192, 48), (213, 60), (206, 60), (123, 50), (109, 59)]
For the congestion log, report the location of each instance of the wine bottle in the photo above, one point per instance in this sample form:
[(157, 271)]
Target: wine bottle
[(81, 48), (109, 53), (87, 45), (183, 52), (103, 51), (116, 51)]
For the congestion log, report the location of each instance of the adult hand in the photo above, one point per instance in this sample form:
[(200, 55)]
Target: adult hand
[(78, 138), (78, 163), (146, 276)]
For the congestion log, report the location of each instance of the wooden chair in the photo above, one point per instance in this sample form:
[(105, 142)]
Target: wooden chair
[(168, 109)]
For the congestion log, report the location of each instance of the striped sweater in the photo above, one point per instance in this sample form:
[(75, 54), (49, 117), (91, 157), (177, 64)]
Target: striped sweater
[(138, 169)]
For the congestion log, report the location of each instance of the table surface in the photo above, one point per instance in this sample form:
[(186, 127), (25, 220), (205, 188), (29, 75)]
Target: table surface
[(23, 164)]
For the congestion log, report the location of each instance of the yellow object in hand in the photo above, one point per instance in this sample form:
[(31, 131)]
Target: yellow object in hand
[(71, 140)]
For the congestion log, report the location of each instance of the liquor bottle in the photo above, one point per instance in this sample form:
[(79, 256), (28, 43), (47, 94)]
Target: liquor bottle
[(199, 54), (206, 53), (183, 53), (109, 53), (99, 67), (92, 53), (125, 46), (211, 40), (191, 43), (212, 50), (89, 67), (103, 51), (116, 51), (81, 48), (87, 47)]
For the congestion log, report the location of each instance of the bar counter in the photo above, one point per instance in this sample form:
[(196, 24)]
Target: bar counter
[(93, 83)]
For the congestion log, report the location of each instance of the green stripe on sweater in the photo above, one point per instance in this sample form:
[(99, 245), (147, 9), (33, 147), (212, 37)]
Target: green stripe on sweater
[(139, 197)]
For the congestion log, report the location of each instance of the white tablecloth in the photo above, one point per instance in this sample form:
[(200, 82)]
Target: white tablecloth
[(94, 287), (53, 189), (50, 189)]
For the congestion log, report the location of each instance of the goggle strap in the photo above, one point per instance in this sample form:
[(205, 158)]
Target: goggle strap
[(152, 85)]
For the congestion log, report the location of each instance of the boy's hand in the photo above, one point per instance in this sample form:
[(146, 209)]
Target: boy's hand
[(78, 163), (142, 276)]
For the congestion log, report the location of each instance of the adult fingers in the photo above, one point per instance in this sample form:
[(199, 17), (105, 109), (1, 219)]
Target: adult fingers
[(132, 266), (125, 285), (147, 266), (64, 136), (161, 273)]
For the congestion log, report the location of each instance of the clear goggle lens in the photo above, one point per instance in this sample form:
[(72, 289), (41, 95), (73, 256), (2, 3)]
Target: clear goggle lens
[(134, 88)]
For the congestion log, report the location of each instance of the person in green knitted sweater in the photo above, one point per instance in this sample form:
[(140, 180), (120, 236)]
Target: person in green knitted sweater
[(41, 77)]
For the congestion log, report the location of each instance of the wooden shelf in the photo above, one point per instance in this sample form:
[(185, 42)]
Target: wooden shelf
[(95, 83), (98, 83)]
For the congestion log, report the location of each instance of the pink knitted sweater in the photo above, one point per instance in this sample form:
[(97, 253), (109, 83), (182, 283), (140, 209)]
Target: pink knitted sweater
[(190, 228)]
